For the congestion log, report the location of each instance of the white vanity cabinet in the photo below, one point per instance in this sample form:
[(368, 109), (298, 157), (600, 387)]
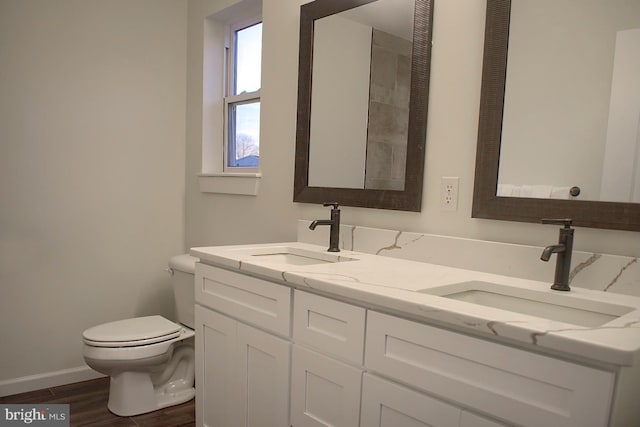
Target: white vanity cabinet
[(329, 385), (326, 372), (242, 372), (267, 355)]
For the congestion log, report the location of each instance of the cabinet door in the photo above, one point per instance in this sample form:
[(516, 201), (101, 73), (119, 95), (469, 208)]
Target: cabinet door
[(216, 350), (324, 392), (385, 404), (263, 378)]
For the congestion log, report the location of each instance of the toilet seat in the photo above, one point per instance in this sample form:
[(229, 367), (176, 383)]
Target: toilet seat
[(134, 332)]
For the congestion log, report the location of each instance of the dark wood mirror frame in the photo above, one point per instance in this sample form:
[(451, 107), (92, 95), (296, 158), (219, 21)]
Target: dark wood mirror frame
[(611, 215), (411, 198)]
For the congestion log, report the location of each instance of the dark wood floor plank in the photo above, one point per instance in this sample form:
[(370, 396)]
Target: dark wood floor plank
[(169, 417), (98, 417), (88, 405), (121, 422), (81, 387), (32, 397)]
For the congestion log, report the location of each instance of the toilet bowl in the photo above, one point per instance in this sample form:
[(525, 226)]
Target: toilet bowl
[(150, 360)]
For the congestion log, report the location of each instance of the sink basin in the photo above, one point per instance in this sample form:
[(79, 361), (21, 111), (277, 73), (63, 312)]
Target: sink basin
[(291, 256), (551, 305)]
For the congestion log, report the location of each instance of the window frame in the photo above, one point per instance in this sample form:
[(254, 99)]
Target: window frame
[(230, 99)]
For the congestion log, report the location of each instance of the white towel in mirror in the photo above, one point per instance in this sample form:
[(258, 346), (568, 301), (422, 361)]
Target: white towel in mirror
[(508, 190), (536, 191), (560, 193)]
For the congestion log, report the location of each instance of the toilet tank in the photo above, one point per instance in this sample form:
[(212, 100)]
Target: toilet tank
[(182, 268)]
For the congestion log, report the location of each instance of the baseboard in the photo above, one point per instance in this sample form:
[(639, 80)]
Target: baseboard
[(46, 380)]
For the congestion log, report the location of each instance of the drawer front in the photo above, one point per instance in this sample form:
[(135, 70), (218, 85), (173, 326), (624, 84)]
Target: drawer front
[(331, 326), (385, 404), (251, 300), (515, 385)]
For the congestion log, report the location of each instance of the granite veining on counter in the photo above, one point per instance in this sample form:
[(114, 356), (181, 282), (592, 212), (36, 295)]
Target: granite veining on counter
[(391, 284), (603, 272)]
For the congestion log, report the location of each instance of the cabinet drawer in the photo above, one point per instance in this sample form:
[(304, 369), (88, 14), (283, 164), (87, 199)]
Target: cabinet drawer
[(385, 404), (252, 300), (328, 325), (515, 385)]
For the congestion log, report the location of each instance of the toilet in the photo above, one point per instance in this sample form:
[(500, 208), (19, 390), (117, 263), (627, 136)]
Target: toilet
[(150, 359)]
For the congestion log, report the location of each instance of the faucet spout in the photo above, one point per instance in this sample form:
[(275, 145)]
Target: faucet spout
[(318, 222), (551, 249)]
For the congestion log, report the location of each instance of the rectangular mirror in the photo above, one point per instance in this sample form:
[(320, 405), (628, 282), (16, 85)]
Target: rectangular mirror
[(362, 102), (560, 113)]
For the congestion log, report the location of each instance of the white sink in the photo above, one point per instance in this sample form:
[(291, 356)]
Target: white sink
[(552, 305), (290, 256)]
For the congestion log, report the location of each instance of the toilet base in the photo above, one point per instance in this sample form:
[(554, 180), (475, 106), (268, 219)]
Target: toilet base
[(132, 393), (148, 377)]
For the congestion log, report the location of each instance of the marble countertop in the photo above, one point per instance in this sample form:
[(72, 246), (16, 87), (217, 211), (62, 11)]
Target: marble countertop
[(391, 284)]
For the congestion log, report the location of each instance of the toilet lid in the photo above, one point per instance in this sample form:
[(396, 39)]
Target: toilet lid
[(132, 332)]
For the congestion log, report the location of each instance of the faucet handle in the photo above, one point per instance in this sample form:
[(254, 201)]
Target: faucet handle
[(334, 205), (563, 221)]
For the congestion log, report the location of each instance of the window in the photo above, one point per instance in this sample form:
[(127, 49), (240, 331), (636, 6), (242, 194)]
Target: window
[(242, 98)]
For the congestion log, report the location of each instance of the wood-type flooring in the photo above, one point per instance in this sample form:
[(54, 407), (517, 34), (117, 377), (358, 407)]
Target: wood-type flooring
[(88, 406)]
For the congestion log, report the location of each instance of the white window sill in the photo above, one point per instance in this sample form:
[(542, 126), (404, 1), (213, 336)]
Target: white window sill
[(245, 184)]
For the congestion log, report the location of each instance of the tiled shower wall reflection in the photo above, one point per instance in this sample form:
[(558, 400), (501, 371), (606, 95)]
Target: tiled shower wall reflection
[(388, 126)]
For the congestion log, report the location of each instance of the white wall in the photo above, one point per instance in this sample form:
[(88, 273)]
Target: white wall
[(92, 135), (451, 143)]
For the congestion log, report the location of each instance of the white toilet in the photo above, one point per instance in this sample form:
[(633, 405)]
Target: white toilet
[(150, 359)]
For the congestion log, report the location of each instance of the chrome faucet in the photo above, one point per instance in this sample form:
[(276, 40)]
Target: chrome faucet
[(563, 249), (334, 222)]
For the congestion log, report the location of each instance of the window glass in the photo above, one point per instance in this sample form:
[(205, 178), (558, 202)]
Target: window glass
[(248, 60), (244, 135)]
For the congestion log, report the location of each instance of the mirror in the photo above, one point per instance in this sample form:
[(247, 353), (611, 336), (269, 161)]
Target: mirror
[(513, 123), (362, 102), (360, 108)]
